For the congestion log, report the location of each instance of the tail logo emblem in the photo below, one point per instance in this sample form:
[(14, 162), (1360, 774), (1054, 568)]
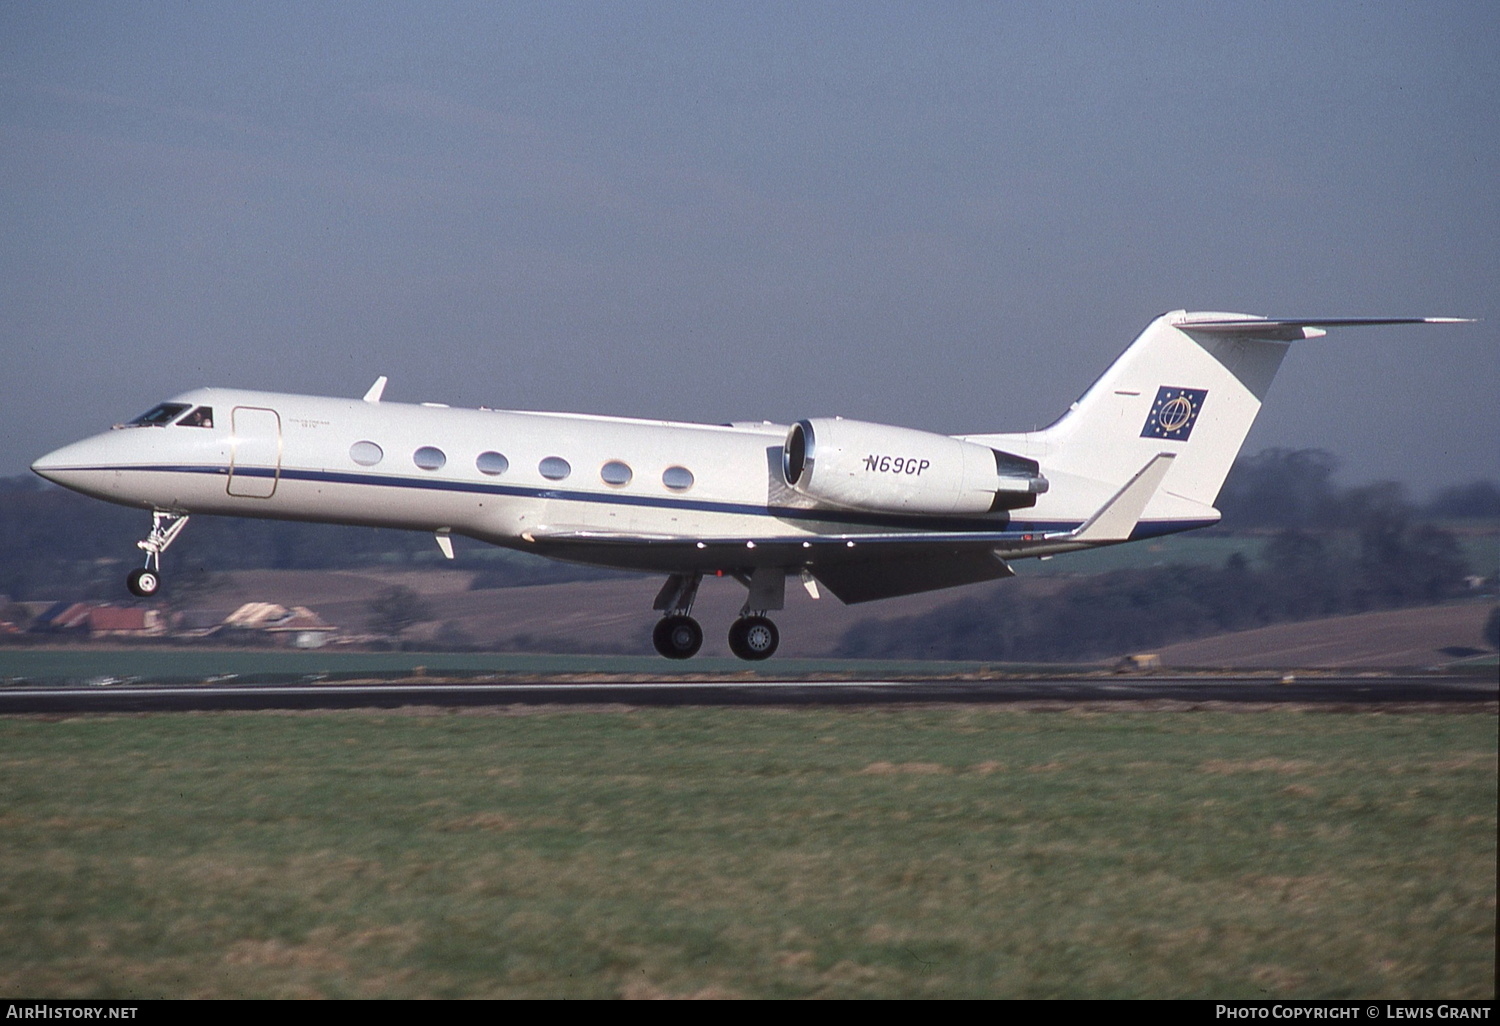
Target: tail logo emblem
[(1174, 413)]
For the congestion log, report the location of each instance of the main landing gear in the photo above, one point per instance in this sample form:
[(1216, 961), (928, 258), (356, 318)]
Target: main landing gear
[(752, 636), (677, 636), (165, 527)]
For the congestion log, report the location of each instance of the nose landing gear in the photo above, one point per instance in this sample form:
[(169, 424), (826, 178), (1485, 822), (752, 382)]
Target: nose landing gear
[(165, 527)]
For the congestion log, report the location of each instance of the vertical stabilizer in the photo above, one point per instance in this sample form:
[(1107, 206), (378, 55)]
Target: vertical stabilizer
[(1191, 393), (1190, 387)]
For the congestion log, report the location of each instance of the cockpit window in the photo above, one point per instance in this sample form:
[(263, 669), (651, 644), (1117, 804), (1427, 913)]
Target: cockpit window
[(163, 413), (203, 416)]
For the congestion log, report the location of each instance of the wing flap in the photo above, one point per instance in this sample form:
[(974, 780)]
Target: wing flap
[(867, 581)]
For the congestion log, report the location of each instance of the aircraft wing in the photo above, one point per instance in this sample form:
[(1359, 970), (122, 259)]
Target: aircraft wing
[(860, 567), (856, 568)]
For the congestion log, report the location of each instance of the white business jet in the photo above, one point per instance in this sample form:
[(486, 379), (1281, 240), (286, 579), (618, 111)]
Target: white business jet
[(869, 511)]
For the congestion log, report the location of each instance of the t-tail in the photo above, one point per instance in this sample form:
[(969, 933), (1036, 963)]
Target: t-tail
[(1188, 388)]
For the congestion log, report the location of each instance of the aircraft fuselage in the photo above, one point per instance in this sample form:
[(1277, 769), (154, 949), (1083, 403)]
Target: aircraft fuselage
[(533, 481)]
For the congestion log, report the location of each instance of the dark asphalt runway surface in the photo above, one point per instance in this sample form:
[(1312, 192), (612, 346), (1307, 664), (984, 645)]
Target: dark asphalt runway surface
[(1191, 691)]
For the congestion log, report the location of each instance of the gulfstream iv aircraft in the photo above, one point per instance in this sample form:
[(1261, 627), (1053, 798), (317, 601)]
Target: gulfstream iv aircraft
[(868, 511)]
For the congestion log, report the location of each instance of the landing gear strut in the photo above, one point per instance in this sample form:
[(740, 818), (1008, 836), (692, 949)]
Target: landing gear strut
[(753, 636), (165, 527)]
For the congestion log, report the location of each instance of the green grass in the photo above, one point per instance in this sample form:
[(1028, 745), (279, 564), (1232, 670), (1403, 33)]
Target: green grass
[(764, 853), (77, 664)]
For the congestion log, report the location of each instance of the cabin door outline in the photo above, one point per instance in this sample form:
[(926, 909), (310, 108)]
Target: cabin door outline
[(254, 452)]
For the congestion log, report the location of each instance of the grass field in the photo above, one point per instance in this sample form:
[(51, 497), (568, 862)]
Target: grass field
[(976, 852), (117, 664)]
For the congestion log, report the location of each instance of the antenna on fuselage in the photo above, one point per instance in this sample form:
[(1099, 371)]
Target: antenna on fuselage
[(376, 390)]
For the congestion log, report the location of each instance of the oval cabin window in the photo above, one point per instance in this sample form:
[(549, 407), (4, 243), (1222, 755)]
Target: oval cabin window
[(366, 454), (429, 458), (616, 473), (492, 463), (555, 468), (679, 479)]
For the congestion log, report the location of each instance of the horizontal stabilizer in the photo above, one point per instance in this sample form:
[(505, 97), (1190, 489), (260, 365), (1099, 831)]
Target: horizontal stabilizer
[(1289, 329), (1117, 518)]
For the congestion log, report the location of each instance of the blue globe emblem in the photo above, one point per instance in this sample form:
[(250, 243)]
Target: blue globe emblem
[(1175, 414)]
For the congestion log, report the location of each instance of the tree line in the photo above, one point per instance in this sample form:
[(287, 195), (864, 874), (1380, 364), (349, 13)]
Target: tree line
[(1332, 551), (1296, 488)]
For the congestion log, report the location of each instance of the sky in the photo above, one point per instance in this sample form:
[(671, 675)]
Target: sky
[(949, 216)]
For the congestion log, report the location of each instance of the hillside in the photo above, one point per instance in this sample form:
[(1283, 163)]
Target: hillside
[(582, 616), (616, 615), (1414, 637)]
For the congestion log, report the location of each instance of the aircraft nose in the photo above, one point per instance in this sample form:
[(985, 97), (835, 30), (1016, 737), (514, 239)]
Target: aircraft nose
[(70, 466), (50, 464)]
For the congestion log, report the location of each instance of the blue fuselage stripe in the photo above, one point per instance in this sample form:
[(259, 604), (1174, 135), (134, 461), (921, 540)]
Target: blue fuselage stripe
[(999, 525)]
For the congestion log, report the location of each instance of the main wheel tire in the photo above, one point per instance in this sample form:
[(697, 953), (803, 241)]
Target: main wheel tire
[(754, 638), (144, 583), (677, 637)]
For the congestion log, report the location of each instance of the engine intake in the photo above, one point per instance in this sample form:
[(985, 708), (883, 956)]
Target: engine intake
[(856, 465)]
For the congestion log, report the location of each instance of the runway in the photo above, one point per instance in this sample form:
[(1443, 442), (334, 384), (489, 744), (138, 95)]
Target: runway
[(1179, 692)]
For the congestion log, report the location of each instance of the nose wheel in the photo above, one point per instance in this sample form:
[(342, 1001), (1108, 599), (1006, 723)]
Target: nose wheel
[(144, 583), (754, 638), (677, 637)]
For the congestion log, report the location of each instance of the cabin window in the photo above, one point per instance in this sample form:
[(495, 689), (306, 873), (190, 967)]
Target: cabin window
[(679, 479), (429, 458), (616, 473), (366, 454), (492, 463), (555, 468), (159, 415), (203, 416)]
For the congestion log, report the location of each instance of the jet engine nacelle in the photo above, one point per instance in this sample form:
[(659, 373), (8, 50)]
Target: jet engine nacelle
[(856, 465)]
